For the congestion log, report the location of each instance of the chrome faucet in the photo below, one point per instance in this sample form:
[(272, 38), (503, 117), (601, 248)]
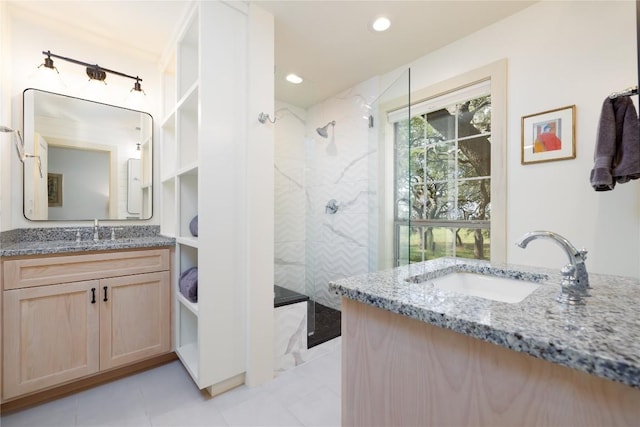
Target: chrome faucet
[(575, 279), (96, 235)]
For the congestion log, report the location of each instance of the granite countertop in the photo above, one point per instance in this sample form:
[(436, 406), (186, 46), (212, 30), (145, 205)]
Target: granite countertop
[(58, 240), (601, 338)]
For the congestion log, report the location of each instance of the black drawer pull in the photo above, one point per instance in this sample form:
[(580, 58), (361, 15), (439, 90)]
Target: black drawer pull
[(93, 295), (105, 294)]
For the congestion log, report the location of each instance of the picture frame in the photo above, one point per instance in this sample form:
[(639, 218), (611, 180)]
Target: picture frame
[(54, 189), (549, 136)]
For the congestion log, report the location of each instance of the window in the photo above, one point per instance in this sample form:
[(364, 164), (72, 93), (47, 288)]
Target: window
[(442, 176)]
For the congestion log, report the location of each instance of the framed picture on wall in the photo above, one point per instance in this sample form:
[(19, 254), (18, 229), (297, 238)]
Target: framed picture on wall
[(54, 189), (549, 136)]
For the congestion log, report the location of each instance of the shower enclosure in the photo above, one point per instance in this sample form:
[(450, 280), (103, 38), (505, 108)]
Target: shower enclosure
[(334, 198)]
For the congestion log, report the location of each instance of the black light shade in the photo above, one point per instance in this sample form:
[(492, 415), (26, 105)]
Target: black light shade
[(96, 73), (48, 62)]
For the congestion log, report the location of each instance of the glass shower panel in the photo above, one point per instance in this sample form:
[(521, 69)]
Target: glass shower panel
[(334, 208), (390, 187), (290, 238)]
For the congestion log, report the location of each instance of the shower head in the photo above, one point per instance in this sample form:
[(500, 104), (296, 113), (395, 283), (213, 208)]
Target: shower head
[(323, 131)]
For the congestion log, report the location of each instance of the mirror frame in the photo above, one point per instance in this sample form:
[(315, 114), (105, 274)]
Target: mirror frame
[(117, 183)]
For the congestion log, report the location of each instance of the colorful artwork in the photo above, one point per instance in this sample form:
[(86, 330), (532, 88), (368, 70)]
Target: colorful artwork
[(549, 135)]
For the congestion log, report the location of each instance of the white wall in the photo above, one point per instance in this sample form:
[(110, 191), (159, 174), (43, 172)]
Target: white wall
[(6, 148), (559, 54), (260, 200), (27, 36)]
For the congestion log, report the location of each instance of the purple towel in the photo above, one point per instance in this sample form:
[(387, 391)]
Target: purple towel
[(617, 153), (189, 284), (193, 226)]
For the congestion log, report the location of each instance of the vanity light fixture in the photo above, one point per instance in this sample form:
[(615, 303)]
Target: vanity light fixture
[(381, 23), (48, 63), (294, 78), (137, 88), (94, 71)]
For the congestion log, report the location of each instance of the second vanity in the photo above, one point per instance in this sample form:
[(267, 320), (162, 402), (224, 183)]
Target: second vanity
[(73, 311), (417, 354)]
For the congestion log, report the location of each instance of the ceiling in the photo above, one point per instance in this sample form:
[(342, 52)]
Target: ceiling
[(328, 43)]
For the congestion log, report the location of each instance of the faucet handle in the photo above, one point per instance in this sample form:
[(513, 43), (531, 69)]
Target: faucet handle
[(77, 231), (113, 232), (583, 253)]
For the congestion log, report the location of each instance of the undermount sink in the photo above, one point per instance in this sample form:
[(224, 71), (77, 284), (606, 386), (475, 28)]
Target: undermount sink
[(484, 286)]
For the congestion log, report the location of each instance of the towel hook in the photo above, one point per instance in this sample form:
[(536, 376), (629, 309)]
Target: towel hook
[(262, 118)]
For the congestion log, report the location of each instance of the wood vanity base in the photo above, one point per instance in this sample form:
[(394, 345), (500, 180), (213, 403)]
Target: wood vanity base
[(85, 383), (398, 371)]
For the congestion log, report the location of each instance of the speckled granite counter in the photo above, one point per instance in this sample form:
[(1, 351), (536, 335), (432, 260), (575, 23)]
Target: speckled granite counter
[(44, 241), (601, 338)]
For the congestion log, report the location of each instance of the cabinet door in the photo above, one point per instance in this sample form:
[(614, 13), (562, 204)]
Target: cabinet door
[(50, 336), (135, 319)]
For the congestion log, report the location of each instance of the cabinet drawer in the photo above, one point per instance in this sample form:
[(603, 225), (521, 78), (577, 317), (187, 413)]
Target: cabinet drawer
[(72, 268)]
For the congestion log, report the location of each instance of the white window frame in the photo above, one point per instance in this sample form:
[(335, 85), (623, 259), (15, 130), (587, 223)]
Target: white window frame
[(496, 73)]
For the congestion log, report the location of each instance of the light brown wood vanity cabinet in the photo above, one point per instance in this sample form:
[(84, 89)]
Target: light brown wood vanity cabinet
[(66, 317)]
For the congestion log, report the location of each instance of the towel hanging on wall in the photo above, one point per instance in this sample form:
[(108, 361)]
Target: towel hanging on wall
[(617, 151)]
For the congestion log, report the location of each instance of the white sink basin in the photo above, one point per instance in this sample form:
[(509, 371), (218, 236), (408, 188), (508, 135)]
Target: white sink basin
[(489, 287)]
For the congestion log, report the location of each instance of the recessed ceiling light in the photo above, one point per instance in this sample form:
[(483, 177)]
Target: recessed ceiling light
[(294, 78), (381, 24)]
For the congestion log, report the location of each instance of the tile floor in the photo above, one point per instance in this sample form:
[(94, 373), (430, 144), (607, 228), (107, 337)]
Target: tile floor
[(307, 395)]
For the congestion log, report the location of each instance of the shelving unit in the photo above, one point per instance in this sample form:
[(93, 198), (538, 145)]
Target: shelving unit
[(210, 333)]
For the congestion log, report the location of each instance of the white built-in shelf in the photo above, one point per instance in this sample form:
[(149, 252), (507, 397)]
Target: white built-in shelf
[(168, 179), (188, 50), (189, 355), (192, 242), (191, 306), (191, 169), (190, 97), (169, 122), (187, 150)]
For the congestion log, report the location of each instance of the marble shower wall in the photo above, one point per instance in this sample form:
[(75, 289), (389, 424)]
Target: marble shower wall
[(340, 167), (291, 200), (311, 246)]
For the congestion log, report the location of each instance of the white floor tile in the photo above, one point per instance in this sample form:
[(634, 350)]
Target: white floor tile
[(320, 407), (168, 389), (111, 404), (307, 395), (198, 414), (60, 412), (234, 397), (325, 370), (261, 410), (289, 387)]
